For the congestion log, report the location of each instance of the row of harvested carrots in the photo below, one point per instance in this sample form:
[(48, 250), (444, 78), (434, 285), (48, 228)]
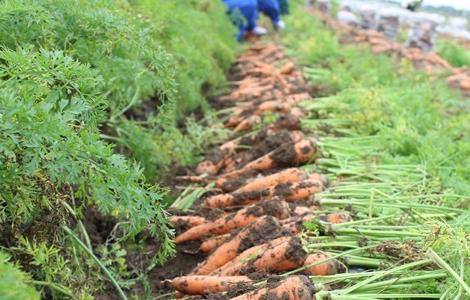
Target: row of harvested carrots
[(263, 194)]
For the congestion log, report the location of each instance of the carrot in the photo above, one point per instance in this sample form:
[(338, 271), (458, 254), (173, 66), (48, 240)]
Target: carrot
[(255, 233), (235, 220), (299, 191), (289, 192), (212, 243), (291, 288), (247, 124), (314, 266), (288, 68), (284, 176), (200, 285), (299, 97), (337, 218), (286, 155), (264, 145), (221, 200), (285, 255), (235, 265), (257, 109), (293, 227), (302, 210), (189, 221), (319, 177), (272, 106), (297, 112), (196, 179), (207, 167)]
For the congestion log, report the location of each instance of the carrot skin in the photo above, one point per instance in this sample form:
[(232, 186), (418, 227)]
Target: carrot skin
[(190, 221), (324, 268), (292, 288), (212, 243), (201, 285)]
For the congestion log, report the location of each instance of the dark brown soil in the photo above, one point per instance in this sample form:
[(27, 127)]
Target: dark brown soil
[(284, 155), (184, 262), (288, 122), (270, 230), (266, 145)]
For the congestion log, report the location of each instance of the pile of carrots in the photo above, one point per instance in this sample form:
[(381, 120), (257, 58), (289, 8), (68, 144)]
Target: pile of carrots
[(262, 194), (430, 62)]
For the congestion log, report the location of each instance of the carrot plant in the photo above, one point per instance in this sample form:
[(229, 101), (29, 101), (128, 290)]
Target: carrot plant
[(456, 55), (91, 93)]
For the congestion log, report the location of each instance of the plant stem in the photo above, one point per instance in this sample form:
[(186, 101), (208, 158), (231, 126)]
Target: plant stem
[(394, 281), (55, 287), (391, 271), (96, 259), (440, 262)]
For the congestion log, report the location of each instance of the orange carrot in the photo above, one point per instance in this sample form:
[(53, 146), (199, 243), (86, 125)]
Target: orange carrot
[(315, 266), (302, 210), (289, 192), (196, 179), (200, 285), (291, 288), (235, 220), (207, 167), (286, 254), (272, 106), (299, 191), (337, 218), (288, 68), (247, 124), (256, 232), (286, 155), (283, 257), (285, 176), (212, 243), (189, 221), (235, 265)]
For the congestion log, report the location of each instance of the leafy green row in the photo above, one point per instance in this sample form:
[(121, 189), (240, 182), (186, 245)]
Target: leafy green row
[(74, 76), (455, 54)]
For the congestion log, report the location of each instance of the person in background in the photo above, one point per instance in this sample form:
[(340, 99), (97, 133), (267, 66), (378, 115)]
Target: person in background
[(272, 9), (244, 14), (412, 5), (284, 6)]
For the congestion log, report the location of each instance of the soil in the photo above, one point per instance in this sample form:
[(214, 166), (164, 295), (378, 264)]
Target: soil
[(288, 122), (270, 230), (99, 228), (285, 155)]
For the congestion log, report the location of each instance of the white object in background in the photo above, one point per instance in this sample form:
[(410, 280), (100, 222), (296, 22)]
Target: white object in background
[(258, 30), (347, 17)]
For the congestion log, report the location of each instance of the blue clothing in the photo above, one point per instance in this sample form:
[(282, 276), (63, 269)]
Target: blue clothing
[(249, 11), (284, 6), (271, 9)]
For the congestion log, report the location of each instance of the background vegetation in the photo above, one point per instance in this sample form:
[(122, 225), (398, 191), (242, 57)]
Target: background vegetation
[(91, 93), (455, 54)]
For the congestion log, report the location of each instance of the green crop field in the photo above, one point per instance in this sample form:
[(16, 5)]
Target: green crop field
[(103, 102)]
